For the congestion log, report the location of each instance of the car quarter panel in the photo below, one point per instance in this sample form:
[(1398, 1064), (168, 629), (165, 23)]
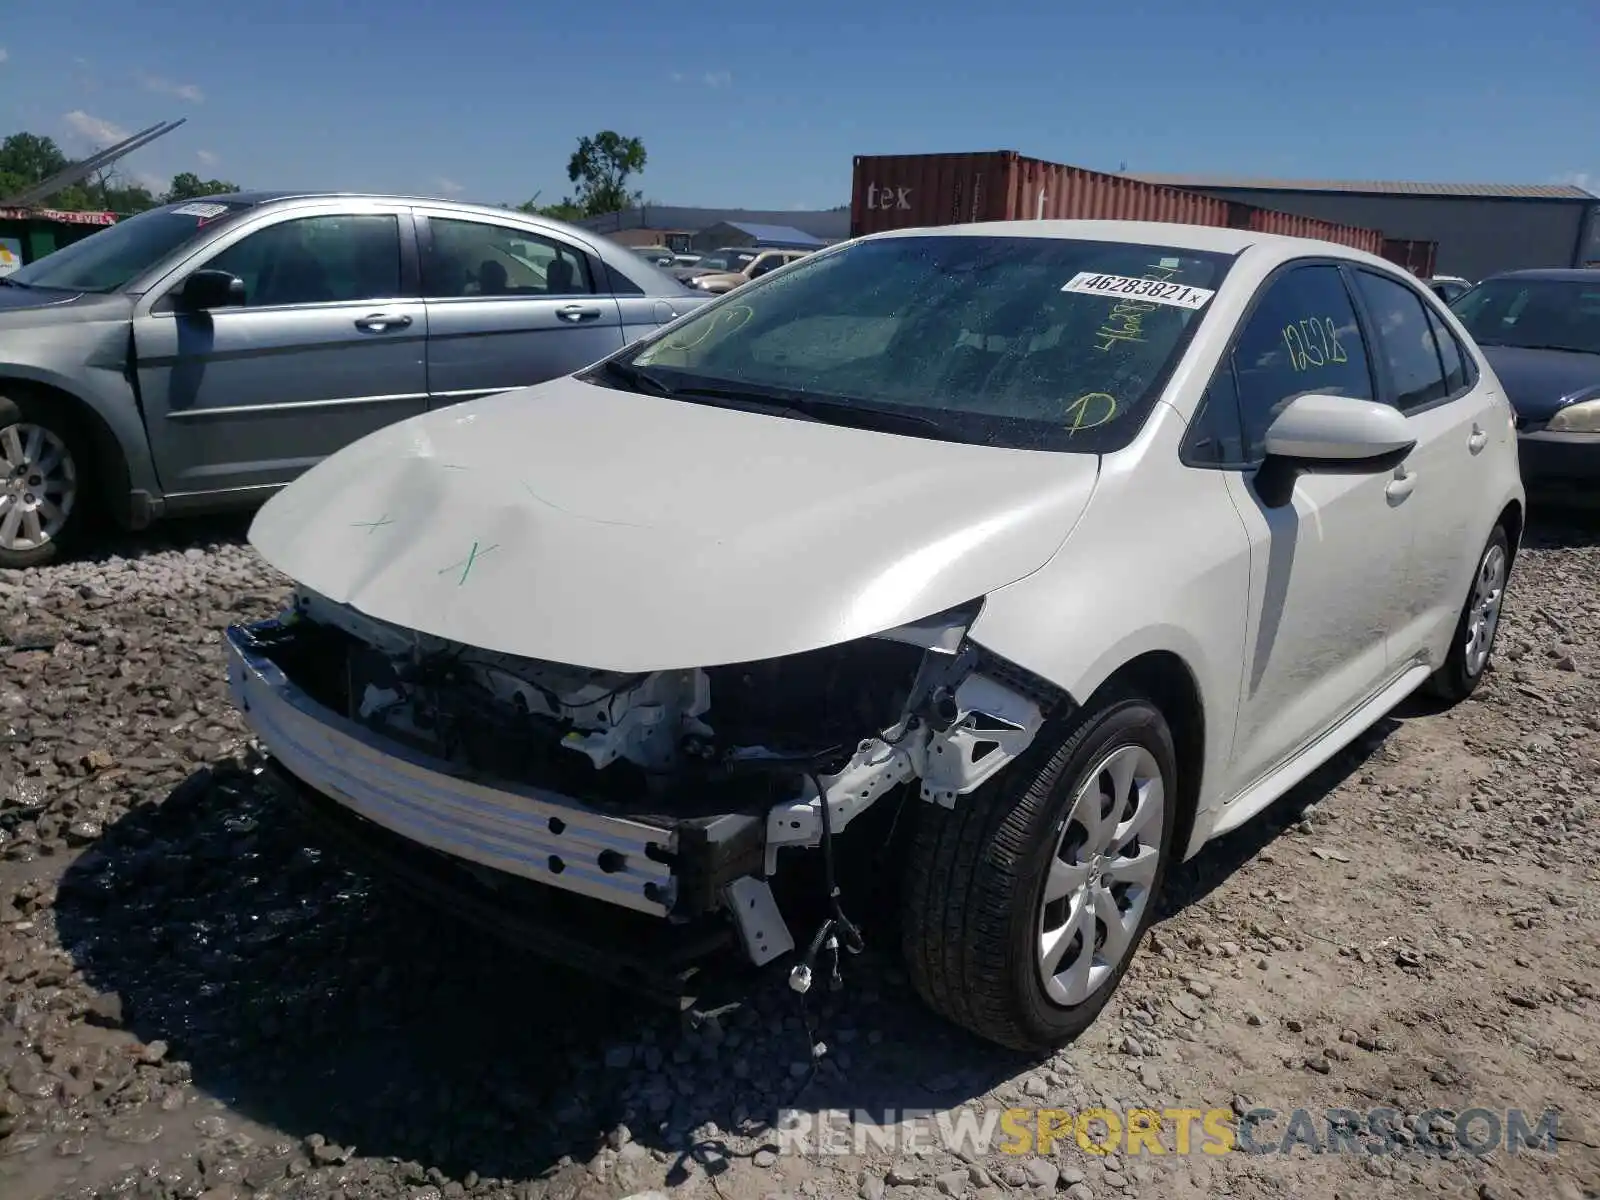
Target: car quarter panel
[(88, 360)]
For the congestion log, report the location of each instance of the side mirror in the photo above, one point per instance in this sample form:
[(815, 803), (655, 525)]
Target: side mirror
[(206, 290), (1336, 431)]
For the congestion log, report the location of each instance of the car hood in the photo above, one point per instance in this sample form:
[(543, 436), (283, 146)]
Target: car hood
[(17, 297), (581, 524), (27, 308), (1538, 382)]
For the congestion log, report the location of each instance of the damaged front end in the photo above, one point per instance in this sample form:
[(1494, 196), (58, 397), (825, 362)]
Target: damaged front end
[(670, 793)]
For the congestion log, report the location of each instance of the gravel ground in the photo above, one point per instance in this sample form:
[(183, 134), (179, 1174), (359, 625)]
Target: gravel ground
[(193, 1002)]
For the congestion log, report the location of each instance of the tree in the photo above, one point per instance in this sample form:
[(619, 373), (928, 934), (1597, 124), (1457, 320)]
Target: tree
[(27, 159), (186, 185), (600, 166)]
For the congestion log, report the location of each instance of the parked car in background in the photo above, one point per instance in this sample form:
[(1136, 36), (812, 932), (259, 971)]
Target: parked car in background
[(201, 355), (723, 270), (1026, 557), (1541, 330), (659, 256), (1448, 287)]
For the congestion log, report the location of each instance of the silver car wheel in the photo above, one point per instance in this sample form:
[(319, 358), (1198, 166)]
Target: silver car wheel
[(1099, 878), (1488, 590), (38, 486)]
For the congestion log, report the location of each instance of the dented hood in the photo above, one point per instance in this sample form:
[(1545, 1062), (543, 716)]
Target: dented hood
[(581, 524)]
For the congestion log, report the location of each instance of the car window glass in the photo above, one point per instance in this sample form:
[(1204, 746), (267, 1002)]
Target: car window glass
[(1005, 340), (475, 258), (764, 264), (1214, 435), (1555, 314), (1450, 354), (1302, 338), (1405, 340), (317, 260)]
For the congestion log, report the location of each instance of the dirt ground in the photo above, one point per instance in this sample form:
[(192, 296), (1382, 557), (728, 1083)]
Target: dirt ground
[(196, 1003)]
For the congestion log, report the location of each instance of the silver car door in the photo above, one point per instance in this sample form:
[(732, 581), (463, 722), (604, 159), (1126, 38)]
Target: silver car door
[(327, 346), (508, 306)]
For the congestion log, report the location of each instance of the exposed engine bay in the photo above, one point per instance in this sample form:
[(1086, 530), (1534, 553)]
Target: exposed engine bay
[(916, 706)]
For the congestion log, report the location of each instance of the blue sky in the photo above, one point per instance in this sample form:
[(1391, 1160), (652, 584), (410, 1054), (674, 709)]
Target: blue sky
[(762, 106)]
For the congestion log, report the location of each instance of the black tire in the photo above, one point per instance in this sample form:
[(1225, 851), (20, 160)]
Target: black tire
[(975, 876), (1456, 680), (25, 409)]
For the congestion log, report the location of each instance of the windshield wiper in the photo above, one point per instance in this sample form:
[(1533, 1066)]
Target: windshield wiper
[(10, 282), (633, 377), (805, 407)]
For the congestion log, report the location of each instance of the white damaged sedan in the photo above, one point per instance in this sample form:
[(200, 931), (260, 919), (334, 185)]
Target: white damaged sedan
[(1029, 555)]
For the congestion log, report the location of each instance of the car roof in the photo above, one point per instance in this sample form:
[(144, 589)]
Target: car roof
[(1212, 238), (1553, 274)]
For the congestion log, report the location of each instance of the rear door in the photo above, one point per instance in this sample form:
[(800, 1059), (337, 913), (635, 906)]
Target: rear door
[(328, 346), (1427, 374), (508, 307)]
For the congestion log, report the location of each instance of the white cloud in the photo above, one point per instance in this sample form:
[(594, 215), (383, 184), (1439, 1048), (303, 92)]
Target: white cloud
[(678, 77), (94, 129), (449, 186), (207, 158), (154, 183), (1589, 181), (166, 87), (4, 54)]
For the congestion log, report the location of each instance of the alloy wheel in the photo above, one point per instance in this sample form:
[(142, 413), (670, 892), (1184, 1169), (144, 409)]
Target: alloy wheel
[(1488, 590), (38, 486), (1099, 878)]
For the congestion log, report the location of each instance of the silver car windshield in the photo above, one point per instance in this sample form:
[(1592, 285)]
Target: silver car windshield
[(1021, 341), (108, 260)]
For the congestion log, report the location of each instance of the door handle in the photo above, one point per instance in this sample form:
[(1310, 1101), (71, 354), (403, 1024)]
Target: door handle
[(378, 322), (1402, 485), (578, 312), (1478, 439)]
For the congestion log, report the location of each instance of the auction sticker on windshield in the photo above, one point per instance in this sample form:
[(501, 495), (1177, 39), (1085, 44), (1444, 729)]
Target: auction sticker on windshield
[(1155, 291), (200, 210)]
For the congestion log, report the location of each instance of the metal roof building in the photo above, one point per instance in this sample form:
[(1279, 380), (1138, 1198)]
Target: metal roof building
[(1480, 228), (673, 225), (749, 233)]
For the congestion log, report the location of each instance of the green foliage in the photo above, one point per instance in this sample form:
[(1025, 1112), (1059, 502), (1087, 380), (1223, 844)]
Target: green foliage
[(186, 185), (600, 166), (29, 158)]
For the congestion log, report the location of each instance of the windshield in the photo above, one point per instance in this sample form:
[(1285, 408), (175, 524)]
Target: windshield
[(106, 261), (1037, 343), (1549, 314)]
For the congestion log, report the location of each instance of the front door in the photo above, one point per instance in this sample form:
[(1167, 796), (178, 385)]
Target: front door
[(508, 307), (1326, 565), (328, 346)]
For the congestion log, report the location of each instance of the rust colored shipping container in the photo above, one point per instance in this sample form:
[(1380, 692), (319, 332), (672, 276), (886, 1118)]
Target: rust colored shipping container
[(900, 191), (1418, 257), (1268, 220)]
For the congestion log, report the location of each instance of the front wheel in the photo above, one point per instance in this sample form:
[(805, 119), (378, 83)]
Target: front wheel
[(41, 486), (1025, 903), (1473, 642)]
